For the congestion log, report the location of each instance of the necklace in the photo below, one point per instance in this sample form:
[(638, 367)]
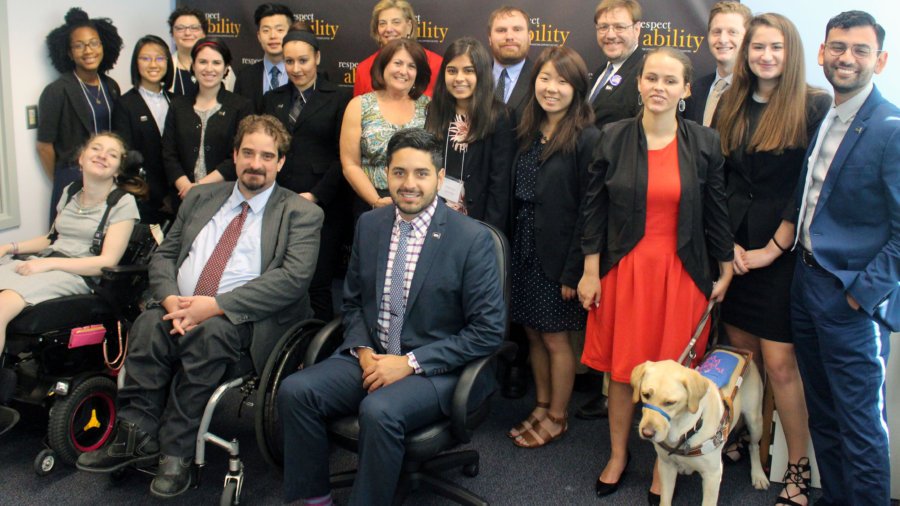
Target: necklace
[(100, 93)]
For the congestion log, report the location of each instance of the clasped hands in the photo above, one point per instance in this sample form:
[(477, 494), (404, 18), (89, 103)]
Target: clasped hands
[(382, 370), (185, 313)]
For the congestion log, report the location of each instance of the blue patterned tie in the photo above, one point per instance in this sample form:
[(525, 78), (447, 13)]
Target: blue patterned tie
[(601, 83), (398, 307), (274, 82)]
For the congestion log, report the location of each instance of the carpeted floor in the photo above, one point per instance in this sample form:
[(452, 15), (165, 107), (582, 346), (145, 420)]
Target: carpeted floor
[(561, 473)]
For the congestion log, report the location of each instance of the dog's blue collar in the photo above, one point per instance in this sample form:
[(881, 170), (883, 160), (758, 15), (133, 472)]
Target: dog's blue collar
[(658, 410)]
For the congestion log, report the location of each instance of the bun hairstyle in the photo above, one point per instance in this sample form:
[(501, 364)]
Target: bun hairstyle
[(59, 39)]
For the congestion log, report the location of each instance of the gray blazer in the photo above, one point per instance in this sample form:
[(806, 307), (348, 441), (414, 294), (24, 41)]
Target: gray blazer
[(290, 246)]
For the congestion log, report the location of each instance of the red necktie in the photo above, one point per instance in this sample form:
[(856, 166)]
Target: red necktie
[(208, 282)]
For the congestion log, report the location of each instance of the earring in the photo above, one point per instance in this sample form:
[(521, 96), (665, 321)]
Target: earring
[(681, 105), (640, 101)]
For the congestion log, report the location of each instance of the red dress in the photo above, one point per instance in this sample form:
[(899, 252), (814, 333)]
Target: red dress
[(649, 305), (363, 83)]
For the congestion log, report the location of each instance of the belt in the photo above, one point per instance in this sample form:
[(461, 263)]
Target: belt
[(809, 260)]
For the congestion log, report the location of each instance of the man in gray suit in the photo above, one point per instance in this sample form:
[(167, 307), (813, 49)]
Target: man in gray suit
[(232, 275)]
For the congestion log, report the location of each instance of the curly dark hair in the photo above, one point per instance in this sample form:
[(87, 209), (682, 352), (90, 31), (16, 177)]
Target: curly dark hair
[(59, 39)]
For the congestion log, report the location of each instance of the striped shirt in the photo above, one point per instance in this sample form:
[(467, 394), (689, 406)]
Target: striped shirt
[(413, 248)]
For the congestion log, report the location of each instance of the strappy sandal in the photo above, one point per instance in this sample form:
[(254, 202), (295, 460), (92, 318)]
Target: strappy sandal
[(527, 423), (737, 450), (539, 436), (797, 475)]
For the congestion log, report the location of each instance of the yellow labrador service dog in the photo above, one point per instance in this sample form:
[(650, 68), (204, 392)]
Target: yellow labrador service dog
[(684, 417)]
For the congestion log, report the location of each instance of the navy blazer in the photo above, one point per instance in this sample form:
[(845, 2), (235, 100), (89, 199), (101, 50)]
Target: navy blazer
[(455, 312), (695, 105), (855, 230), (248, 83), (618, 101)]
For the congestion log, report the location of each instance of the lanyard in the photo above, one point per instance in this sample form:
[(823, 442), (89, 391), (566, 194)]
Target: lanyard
[(91, 105)]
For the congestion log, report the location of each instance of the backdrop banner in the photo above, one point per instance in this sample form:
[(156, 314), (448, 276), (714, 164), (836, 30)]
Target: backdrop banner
[(343, 27)]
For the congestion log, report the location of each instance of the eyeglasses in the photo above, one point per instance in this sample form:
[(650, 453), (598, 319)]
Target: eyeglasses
[(604, 27), (858, 50), (81, 46), (187, 28), (147, 60)]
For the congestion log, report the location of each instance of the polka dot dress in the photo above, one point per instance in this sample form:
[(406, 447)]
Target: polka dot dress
[(536, 300)]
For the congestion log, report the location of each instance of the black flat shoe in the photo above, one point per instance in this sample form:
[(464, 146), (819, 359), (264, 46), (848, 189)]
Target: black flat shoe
[(129, 446), (603, 489), (594, 409), (173, 476), (653, 498)]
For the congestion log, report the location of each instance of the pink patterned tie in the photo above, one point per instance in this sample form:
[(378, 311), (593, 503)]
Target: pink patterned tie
[(208, 282)]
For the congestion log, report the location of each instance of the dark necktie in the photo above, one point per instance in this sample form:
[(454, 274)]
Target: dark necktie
[(500, 91), (601, 83), (296, 107), (273, 78), (397, 305), (208, 282)]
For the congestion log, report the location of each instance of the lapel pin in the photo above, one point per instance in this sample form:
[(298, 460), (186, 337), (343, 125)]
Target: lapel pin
[(859, 130), (615, 80), (281, 106), (436, 235), (607, 87), (143, 118), (221, 113)]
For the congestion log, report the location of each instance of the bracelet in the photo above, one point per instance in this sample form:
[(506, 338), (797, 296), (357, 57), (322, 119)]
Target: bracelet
[(783, 250), (15, 248)]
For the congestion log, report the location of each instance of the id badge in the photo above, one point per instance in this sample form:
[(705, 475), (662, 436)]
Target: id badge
[(451, 190)]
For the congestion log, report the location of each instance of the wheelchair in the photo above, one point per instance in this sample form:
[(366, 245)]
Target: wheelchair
[(58, 350)]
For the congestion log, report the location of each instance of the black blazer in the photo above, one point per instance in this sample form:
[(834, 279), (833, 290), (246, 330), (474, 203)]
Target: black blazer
[(760, 186), (313, 162), (181, 139), (248, 84), (620, 101), (134, 122), (64, 117), (560, 187), (695, 105), (615, 206), (488, 173), (518, 99)]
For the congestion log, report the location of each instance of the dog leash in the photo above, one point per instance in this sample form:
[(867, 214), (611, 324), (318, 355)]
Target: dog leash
[(689, 353)]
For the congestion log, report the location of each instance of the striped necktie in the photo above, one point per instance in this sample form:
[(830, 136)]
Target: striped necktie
[(397, 304), (211, 275)]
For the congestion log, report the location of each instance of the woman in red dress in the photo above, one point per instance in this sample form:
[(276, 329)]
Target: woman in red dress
[(654, 213)]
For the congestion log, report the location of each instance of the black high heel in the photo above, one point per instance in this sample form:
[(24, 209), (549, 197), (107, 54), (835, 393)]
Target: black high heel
[(604, 489), (798, 475)]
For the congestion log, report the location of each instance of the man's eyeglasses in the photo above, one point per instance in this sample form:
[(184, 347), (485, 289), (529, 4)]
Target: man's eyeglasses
[(858, 50), (604, 27)]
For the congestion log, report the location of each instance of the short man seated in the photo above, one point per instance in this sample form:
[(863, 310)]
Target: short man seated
[(232, 275), (422, 298)]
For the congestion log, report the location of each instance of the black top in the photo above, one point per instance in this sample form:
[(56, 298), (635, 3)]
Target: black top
[(618, 98), (615, 206), (248, 83), (65, 118), (181, 138), (561, 182), (185, 84), (760, 186), (134, 122)]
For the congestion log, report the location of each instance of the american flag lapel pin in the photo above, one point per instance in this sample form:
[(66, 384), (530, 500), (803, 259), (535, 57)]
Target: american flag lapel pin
[(436, 235)]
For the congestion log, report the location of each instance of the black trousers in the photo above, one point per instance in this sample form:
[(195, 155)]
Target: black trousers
[(169, 378), (333, 388)]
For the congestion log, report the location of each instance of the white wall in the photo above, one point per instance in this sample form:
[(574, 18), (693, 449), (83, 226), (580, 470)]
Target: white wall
[(28, 23)]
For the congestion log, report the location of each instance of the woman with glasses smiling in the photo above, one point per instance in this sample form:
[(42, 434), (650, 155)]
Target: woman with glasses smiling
[(187, 26), (140, 118), (80, 103)]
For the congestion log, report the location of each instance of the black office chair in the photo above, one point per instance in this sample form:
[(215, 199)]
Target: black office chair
[(423, 460)]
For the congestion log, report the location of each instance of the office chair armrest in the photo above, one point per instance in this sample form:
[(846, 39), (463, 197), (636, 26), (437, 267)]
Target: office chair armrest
[(325, 342), (459, 410)]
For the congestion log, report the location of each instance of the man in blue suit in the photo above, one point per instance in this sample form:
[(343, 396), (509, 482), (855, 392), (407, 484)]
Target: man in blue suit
[(422, 298), (845, 294)]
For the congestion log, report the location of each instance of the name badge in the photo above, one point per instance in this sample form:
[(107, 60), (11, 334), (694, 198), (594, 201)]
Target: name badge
[(451, 190)]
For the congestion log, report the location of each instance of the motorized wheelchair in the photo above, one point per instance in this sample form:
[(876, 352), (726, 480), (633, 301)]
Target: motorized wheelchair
[(59, 350)]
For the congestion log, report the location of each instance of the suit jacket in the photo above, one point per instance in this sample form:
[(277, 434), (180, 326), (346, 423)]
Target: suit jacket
[(487, 171), (620, 101), (518, 99), (64, 118), (455, 312), (290, 244), (248, 83), (181, 139), (615, 206), (695, 105), (561, 182), (855, 230), (134, 122)]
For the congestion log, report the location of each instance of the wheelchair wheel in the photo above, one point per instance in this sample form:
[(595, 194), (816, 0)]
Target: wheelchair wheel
[(83, 420), (229, 494), (45, 462), (284, 360)]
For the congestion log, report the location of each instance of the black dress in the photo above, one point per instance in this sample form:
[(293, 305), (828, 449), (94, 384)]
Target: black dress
[(759, 187), (537, 302)]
